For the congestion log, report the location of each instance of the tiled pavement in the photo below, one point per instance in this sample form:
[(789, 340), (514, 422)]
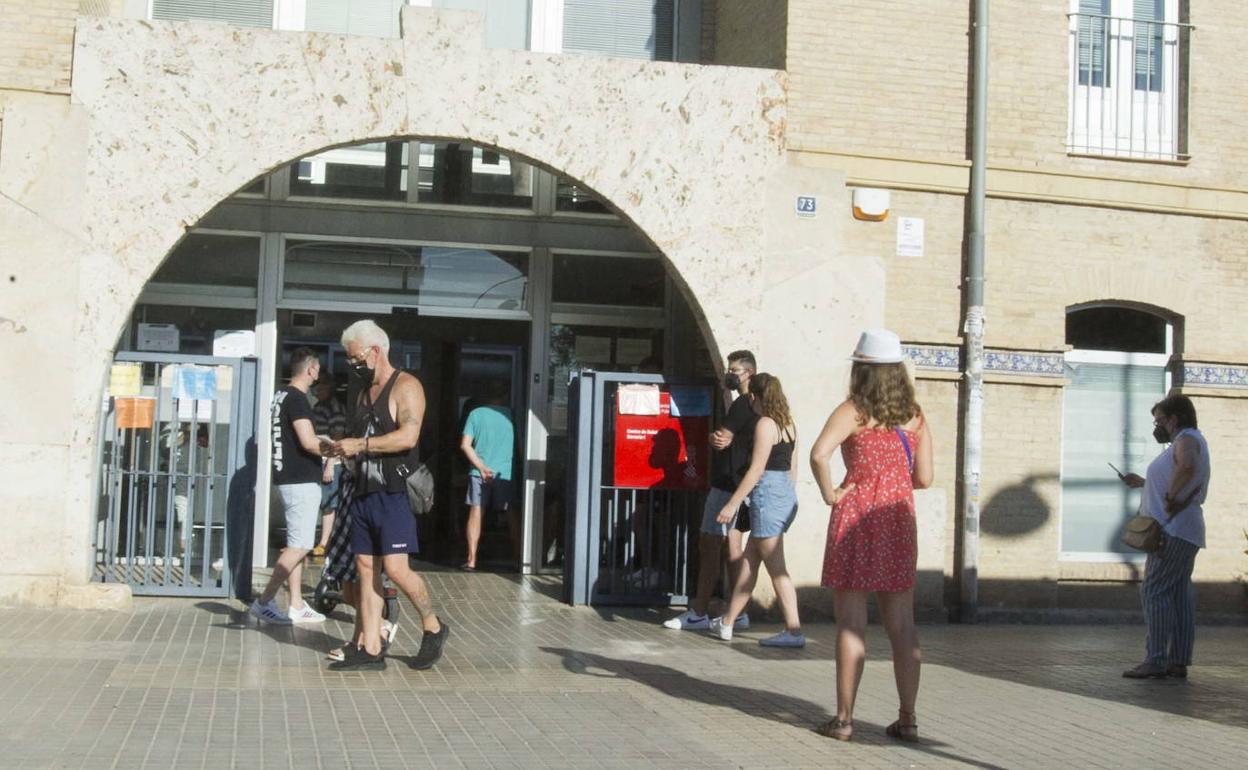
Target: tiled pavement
[(529, 682)]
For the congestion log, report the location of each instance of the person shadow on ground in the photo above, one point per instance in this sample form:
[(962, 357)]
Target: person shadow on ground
[(301, 635), (768, 704)]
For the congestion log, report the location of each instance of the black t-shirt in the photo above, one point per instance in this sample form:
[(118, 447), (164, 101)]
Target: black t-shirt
[(291, 463), (729, 465)]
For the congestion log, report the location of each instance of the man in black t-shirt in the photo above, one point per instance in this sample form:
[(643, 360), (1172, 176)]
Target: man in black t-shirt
[(732, 442), (297, 475)]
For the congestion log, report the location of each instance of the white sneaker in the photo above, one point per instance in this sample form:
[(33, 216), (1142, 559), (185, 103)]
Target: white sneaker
[(717, 628), (306, 614), (688, 621), (742, 623), (784, 639), (269, 613)]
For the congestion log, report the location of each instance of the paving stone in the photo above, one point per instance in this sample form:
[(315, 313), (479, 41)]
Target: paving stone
[(528, 682)]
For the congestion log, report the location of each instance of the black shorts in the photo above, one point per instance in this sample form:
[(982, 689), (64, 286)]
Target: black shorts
[(382, 523)]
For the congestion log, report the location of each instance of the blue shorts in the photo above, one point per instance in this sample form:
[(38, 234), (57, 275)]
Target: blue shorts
[(382, 523), (773, 504), (495, 495), (716, 499)]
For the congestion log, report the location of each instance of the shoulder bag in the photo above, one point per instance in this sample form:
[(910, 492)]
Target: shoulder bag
[(1143, 533)]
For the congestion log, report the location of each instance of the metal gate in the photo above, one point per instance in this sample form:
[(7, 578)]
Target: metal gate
[(624, 545), (177, 474)]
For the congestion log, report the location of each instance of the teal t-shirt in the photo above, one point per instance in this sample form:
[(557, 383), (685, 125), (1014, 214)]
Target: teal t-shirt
[(493, 438)]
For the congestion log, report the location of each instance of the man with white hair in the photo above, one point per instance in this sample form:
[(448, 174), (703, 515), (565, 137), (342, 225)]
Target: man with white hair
[(385, 430)]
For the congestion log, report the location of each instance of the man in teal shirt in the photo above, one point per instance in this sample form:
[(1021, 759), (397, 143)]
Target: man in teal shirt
[(488, 441)]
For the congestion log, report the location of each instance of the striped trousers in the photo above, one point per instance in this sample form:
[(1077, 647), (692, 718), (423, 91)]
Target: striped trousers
[(1169, 603)]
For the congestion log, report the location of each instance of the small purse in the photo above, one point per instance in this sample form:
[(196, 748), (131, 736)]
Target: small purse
[(1142, 533)]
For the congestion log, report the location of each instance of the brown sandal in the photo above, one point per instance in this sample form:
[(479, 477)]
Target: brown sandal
[(837, 730), (901, 731)]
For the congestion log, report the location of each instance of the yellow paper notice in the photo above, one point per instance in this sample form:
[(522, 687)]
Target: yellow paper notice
[(125, 380)]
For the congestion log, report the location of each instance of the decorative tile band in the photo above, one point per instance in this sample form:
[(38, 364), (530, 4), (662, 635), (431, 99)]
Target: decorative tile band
[(1215, 375), (948, 358)]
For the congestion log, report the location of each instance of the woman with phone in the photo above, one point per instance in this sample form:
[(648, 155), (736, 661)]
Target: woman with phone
[(1175, 486), (872, 536)]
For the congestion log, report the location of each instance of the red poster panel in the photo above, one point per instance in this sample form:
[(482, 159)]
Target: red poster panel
[(667, 450)]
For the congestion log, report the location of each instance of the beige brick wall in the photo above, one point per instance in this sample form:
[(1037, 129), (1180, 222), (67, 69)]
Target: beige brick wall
[(876, 77), (892, 79), (749, 33), (36, 42)]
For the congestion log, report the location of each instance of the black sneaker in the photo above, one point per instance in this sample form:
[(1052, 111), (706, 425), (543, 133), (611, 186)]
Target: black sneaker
[(358, 659), (430, 648)]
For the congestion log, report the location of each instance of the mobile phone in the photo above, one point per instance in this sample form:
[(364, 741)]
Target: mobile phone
[(1115, 467)]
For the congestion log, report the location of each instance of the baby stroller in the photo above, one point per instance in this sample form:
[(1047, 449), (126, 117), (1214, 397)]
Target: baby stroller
[(340, 563)]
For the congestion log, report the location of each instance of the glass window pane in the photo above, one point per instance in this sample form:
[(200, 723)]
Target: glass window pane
[(1116, 328), (1106, 420), (212, 260), (197, 326), (446, 276), (631, 281), (373, 171), (605, 348), (462, 174), (570, 197), (257, 13)]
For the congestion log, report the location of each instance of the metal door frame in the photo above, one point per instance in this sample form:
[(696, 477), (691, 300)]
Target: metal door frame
[(234, 579), (583, 538)]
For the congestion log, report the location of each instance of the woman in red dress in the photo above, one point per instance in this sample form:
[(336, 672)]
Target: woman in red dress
[(887, 449)]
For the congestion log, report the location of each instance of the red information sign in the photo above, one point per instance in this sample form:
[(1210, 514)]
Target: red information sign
[(666, 448)]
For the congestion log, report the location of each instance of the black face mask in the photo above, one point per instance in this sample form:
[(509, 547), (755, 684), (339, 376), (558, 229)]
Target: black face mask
[(1161, 434), (732, 381), (361, 370)]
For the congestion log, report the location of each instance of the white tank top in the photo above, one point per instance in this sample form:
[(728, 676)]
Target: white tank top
[(1189, 523)]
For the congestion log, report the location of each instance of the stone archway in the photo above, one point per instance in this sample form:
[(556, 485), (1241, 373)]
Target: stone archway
[(169, 119)]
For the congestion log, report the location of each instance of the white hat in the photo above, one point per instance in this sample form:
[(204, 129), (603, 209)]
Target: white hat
[(878, 346)]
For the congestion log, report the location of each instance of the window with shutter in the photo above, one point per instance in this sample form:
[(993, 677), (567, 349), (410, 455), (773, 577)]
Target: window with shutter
[(373, 18), (247, 13), (634, 29), (1116, 372)]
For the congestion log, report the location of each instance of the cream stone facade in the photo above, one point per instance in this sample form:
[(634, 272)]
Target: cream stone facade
[(105, 168)]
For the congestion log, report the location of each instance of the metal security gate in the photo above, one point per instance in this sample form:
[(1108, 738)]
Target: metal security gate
[(177, 444), (625, 544)]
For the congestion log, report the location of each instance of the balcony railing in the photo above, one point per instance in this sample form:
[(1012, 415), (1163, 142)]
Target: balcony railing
[(1128, 87)]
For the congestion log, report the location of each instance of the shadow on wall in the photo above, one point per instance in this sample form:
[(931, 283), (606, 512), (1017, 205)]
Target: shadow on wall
[(1018, 509)]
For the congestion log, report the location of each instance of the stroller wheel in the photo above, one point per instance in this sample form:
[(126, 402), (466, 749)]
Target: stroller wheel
[(327, 596)]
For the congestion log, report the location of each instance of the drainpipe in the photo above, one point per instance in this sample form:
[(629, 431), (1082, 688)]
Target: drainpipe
[(973, 331)]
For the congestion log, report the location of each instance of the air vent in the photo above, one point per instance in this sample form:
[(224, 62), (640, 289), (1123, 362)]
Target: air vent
[(302, 320)]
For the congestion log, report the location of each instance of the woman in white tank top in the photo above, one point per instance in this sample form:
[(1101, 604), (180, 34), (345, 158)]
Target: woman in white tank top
[(1175, 487)]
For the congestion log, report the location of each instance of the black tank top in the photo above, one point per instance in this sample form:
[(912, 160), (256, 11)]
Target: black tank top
[(382, 472), (781, 457)]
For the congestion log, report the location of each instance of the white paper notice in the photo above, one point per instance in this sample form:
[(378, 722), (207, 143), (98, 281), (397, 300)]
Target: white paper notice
[(638, 399), (593, 350), (909, 237), (158, 337), (237, 343)]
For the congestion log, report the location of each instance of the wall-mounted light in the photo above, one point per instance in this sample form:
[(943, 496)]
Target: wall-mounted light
[(870, 204)]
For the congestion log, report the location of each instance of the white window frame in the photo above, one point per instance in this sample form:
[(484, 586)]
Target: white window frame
[(1119, 120), (1117, 358)]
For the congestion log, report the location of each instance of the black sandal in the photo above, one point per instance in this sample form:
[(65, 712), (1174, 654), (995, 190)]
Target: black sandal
[(903, 732), (837, 730)]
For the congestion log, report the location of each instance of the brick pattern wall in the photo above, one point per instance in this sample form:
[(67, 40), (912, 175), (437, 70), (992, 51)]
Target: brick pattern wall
[(749, 33), (877, 77), (36, 45), (893, 79)]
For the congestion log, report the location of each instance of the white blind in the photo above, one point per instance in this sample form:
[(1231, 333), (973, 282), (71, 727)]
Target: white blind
[(633, 29), (375, 18), (1148, 43), (247, 13), (1093, 41), (1106, 419)]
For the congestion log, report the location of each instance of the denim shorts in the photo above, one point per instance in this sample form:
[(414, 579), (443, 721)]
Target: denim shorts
[(301, 506), (330, 492), (773, 504), (495, 495), (716, 499)]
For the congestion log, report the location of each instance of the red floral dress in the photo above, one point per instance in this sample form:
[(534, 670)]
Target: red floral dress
[(872, 539)]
